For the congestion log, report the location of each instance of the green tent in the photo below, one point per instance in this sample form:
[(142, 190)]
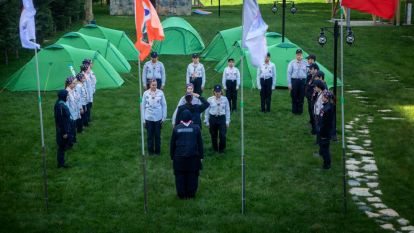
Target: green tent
[(103, 46), (180, 38), (281, 55), (116, 37), (222, 44), (54, 62)]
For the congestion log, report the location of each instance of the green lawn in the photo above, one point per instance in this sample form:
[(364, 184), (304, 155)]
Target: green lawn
[(286, 190)]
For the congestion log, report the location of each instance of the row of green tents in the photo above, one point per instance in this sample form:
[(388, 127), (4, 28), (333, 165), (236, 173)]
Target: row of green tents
[(109, 49)]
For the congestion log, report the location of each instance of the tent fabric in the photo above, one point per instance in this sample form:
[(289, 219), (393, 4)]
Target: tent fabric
[(118, 38), (103, 46), (281, 54), (180, 38), (222, 43), (54, 62)]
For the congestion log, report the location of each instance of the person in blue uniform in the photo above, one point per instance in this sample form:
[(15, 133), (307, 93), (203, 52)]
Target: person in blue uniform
[(231, 83), (154, 69), (62, 123), (266, 83), (196, 74), (326, 116), (296, 78), (195, 109), (186, 151), (217, 118)]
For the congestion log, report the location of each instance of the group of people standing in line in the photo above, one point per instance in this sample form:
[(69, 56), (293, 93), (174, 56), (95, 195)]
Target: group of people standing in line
[(72, 110)]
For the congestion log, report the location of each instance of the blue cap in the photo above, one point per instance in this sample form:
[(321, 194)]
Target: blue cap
[(154, 54), (195, 55), (217, 88)]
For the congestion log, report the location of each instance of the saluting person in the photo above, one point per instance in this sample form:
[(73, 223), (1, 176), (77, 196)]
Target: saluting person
[(154, 69), (195, 109), (194, 101), (266, 82), (154, 109), (196, 74), (296, 78), (93, 81), (231, 83), (217, 118)]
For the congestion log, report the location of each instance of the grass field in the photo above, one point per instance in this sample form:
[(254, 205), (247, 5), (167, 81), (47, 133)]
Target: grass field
[(285, 188)]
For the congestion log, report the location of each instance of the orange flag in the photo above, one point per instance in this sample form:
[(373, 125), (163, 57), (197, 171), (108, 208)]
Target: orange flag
[(146, 21), (381, 8)]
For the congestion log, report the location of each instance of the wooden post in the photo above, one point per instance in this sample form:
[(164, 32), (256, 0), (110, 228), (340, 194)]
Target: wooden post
[(398, 14)]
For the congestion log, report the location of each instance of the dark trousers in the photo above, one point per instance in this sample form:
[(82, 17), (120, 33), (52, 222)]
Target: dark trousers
[(197, 85), (89, 112), (231, 93), (159, 83), (153, 136), (297, 94), (79, 125), (333, 131), (265, 94), (218, 129), (317, 129), (186, 183), (72, 132), (84, 116), (311, 116), (324, 152)]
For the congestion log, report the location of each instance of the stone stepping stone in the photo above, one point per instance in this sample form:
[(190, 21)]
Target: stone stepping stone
[(352, 167), (363, 152), (389, 212), (408, 228), (379, 205), (355, 147), (372, 184), (374, 199), (352, 138), (351, 142), (363, 102), (393, 118), (385, 110), (349, 154), (355, 174), (366, 145), (371, 177), (370, 168), (364, 208), (353, 183), (362, 192), (362, 97), (355, 91), (393, 80), (353, 161), (388, 226), (362, 180), (403, 221), (379, 192), (364, 131), (348, 127), (371, 214), (367, 141), (356, 119)]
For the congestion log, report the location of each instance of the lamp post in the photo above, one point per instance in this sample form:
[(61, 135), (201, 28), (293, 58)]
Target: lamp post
[(293, 10)]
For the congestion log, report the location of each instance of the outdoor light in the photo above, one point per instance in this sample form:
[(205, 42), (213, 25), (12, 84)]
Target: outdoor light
[(293, 8), (322, 38), (274, 8), (350, 39)]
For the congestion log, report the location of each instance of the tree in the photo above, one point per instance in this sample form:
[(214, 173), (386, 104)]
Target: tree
[(88, 11)]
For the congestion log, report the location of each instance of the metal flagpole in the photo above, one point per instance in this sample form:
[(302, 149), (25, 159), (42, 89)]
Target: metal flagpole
[(242, 137), (343, 113), (39, 97), (144, 160)]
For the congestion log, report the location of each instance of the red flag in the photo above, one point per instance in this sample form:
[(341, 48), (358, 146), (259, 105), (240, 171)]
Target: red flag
[(381, 8), (146, 21)]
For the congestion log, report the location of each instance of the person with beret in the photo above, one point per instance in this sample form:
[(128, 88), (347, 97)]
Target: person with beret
[(154, 110), (189, 88), (83, 100), (217, 118), (187, 152), (266, 83), (62, 123), (326, 116), (154, 69), (309, 90), (296, 78), (196, 74), (195, 109), (85, 69), (231, 83), (72, 103)]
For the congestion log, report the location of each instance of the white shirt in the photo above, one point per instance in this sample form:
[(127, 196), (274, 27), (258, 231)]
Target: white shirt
[(182, 101), (154, 106), (296, 70), (196, 71), (153, 71), (318, 104), (72, 104), (94, 81), (231, 74), (89, 88), (266, 71), (83, 94), (218, 107)]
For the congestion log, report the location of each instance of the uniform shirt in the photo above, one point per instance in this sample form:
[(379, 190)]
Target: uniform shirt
[(153, 71), (81, 90), (94, 81), (196, 71), (266, 71), (296, 70), (232, 74), (318, 104), (72, 104), (89, 88), (154, 105), (218, 107), (182, 101)]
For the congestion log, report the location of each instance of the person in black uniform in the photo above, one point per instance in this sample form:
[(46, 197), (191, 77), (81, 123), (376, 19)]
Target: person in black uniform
[(186, 150), (309, 90), (325, 125), (195, 109), (62, 122)]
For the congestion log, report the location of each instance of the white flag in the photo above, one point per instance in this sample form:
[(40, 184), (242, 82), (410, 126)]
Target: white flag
[(27, 25), (254, 30)]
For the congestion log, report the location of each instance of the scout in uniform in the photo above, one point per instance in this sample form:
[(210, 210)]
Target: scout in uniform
[(83, 101), (62, 123), (154, 69), (195, 109), (194, 101), (196, 74), (231, 83), (266, 82), (309, 90), (72, 103), (296, 78), (326, 116)]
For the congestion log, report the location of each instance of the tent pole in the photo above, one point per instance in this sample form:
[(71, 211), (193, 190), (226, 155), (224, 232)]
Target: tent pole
[(39, 97), (343, 115), (144, 160)]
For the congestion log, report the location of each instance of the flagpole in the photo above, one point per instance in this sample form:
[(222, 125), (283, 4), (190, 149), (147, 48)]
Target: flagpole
[(144, 160), (343, 114), (242, 137), (39, 98)]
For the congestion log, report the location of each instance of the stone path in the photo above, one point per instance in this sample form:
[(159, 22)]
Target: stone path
[(363, 172)]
